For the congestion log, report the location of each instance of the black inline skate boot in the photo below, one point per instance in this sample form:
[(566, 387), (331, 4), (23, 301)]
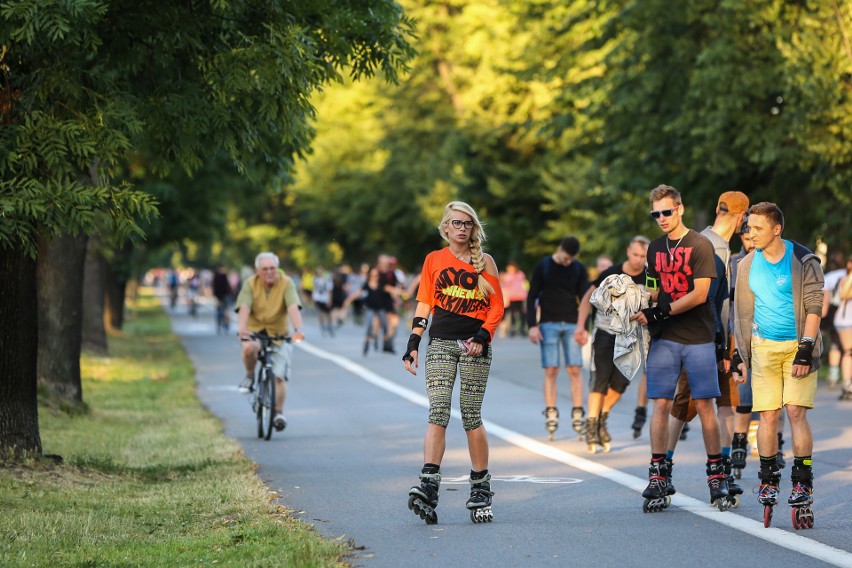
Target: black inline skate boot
[(551, 420), (717, 481), (423, 498), (780, 458), (577, 422), (684, 431), (734, 490), (479, 502), (802, 497), (739, 452), (669, 469), (603, 432), (656, 494), (639, 419), (593, 439), (767, 494)]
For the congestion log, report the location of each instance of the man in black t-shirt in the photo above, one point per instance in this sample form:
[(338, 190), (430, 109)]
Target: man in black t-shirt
[(608, 383), (558, 283), (683, 329)]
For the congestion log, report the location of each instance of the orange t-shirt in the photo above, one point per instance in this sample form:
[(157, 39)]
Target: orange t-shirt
[(459, 308)]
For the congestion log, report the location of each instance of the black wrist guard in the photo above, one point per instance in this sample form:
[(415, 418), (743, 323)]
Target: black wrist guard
[(419, 322), (805, 354), (721, 351), (413, 345), (656, 314), (482, 336), (736, 361)]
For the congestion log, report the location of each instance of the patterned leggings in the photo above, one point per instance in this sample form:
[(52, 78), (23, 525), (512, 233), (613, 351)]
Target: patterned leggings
[(443, 358)]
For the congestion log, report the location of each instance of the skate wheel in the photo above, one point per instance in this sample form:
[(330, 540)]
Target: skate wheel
[(481, 515), (767, 515), (735, 502), (645, 508), (722, 504), (606, 448), (794, 514), (636, 434), (738, 473)]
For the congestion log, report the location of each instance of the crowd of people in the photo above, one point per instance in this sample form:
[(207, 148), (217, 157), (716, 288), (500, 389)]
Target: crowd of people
[(702, 332)]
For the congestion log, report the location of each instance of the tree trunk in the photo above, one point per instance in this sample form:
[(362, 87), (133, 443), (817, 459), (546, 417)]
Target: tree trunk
[(19, 433), (94, 334), (60, 316), (116, 275)]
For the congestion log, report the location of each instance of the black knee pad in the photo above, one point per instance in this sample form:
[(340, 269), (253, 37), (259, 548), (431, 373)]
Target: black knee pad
[(743, 410)]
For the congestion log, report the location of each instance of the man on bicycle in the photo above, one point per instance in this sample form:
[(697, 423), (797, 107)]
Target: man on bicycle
[(271, 303)]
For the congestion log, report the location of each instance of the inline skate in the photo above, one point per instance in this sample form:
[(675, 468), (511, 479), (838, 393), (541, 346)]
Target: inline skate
[(593, 439), (551, 420), (717, 481), (479, 502), (669, 469), (423, 498), (780, 456), (656, 494), (739, 452), (603, 432), (802, 497), (639, 419), (577, 422), (734, 490), (767, 495)]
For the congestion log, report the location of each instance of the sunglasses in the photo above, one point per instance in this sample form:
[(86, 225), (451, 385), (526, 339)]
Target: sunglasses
[(458, 224), (664, 213)]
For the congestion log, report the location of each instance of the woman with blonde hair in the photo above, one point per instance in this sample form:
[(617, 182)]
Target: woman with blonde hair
[(460, 288)]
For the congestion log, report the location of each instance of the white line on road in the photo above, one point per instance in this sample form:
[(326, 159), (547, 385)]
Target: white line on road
[(791, 541)]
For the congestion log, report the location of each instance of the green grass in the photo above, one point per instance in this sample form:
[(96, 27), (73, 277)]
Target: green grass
[(148, 478)]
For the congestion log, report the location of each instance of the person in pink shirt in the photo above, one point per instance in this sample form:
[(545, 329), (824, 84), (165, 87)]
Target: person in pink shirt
[(515, 285)]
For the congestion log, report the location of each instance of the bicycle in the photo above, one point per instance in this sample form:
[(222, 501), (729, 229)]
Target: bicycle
[(263, 401), (223, 319)]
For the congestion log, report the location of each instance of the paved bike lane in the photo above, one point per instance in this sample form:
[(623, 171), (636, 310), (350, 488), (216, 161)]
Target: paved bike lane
[(346, 461)]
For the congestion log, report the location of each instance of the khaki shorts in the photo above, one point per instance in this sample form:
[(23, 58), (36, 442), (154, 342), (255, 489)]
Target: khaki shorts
[(280, 357), (683, 407), (772, 382)]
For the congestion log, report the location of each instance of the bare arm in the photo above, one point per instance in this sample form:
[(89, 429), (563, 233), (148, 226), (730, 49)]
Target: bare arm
[(295, 314), (696, 297), (242, 322), (581, 336)]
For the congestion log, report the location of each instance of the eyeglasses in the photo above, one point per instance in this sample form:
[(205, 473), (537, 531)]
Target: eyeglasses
[(664, 213), (458, 224)]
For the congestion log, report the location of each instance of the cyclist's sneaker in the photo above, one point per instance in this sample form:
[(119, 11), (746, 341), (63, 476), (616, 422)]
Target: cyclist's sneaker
[(279, 422), (246, 385)]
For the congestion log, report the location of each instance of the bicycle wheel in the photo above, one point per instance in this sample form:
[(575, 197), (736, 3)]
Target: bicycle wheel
[(258, 402), (268, 402)]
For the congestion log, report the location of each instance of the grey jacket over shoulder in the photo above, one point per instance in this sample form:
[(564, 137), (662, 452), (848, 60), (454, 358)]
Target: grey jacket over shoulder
[(807, 299)]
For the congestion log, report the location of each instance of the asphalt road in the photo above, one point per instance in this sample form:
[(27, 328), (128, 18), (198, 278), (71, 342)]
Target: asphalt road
[(353, 447)]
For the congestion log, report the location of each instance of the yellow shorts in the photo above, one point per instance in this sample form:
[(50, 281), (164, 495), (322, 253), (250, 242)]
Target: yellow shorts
[(772, 382)]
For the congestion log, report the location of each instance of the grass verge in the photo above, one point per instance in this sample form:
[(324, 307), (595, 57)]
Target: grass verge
[(148, 478)]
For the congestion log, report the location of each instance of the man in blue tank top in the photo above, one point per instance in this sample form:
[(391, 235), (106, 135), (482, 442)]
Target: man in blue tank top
[(777, 310)]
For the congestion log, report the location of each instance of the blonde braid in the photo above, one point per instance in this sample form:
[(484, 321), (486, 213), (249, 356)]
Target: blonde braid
[(477, 259)]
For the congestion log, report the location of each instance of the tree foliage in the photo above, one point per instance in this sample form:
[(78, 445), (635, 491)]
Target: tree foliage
[(555, 118), (92, 90)]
